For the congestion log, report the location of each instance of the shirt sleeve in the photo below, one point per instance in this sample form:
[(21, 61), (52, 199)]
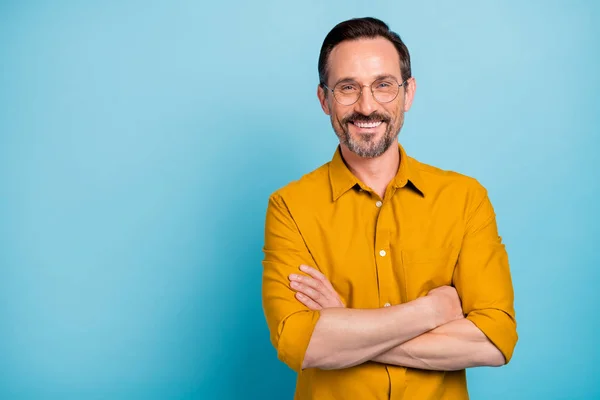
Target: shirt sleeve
[(482, 276), (290, 323)]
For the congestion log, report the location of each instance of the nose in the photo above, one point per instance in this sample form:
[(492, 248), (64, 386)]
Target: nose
[(366, 103)]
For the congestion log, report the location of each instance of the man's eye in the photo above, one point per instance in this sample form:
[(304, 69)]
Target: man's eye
[(384, 85), (348, 88)]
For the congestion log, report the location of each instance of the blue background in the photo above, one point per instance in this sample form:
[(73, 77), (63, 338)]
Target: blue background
[(139, 142)]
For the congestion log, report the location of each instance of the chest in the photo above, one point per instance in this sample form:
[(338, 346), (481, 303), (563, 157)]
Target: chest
[(383, 253)]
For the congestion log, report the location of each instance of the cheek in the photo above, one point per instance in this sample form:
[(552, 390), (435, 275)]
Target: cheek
[(339, 113), (398, 110)]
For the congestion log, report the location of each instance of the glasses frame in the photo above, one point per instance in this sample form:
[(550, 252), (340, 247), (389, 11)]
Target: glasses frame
[(403, 84)]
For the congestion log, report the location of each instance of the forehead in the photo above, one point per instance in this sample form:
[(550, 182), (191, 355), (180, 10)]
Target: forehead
[(363, 60)]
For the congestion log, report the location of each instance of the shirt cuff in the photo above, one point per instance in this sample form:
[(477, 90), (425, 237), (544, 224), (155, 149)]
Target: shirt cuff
[(295, 334), (499, 327)]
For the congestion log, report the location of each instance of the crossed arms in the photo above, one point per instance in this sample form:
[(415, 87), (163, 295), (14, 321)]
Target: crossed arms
[(428, 333), (470, 324)]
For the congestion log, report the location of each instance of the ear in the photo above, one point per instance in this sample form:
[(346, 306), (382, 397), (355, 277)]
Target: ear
[(323, 99), (409, 93)]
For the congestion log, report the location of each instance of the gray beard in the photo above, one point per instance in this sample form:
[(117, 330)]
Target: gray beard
[(368, 148)]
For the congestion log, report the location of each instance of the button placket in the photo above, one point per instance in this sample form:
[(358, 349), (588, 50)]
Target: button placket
[(382, 256)]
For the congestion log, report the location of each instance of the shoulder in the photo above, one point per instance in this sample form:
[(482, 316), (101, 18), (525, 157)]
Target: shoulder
[(440, 181), (313, 184)]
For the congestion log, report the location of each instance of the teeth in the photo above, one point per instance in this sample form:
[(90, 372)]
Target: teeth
[(367, 124)]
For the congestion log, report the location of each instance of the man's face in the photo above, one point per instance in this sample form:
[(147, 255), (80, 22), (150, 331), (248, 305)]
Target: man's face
[(367, 128)]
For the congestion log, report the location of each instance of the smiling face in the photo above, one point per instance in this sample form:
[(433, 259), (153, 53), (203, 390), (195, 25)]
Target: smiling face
[(367, 128)]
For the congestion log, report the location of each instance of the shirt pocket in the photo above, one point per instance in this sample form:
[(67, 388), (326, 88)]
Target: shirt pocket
[(427, 268)]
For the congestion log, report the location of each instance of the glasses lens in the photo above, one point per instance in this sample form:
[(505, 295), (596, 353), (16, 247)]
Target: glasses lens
[(385, 90), (346, 93)]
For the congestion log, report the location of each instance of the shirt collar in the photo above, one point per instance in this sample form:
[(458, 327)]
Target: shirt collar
[(342, 179)]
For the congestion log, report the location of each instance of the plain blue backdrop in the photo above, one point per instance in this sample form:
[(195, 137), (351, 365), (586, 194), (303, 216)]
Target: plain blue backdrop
[(140, 140)]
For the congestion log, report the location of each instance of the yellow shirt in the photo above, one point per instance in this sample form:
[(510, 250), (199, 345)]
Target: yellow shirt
[(433, 228)]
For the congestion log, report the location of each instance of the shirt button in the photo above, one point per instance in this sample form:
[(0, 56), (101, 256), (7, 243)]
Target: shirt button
[(378, 204), (382, 253), (387, 305)]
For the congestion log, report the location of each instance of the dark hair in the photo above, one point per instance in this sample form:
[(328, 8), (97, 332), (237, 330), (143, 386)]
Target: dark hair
[(358, 28)]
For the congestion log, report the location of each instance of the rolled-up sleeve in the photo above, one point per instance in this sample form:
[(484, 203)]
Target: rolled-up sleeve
[(290, 323), (482, 276)]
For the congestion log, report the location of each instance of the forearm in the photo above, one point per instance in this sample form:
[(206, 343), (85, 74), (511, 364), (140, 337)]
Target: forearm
[(454, 346), (346, 337)]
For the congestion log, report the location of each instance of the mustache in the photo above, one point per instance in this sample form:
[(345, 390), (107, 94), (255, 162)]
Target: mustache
[(358, 117)]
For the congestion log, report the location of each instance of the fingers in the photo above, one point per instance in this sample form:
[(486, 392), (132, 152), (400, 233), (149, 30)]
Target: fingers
[(307, 290), (313, 272), (308, 302), (311, 288), (309, 282), (318, 275), (315, 288)]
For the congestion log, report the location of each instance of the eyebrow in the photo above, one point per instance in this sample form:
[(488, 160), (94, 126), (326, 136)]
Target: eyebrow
[(378, 77)]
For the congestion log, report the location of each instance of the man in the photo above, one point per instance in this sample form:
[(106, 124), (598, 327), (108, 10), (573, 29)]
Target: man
[(384, 278)]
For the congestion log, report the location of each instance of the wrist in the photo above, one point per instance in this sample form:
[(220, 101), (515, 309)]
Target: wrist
[(430, 308)]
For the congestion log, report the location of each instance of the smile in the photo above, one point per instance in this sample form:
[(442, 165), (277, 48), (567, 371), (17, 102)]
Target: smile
[(367, 124)]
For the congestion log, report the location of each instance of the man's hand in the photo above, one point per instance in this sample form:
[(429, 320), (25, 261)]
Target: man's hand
[(314, 291), (447, 304)]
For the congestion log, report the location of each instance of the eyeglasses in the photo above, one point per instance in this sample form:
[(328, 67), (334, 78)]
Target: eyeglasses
[(348, 92)]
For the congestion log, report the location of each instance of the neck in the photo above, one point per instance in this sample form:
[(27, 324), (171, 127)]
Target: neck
[(376, 172)]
